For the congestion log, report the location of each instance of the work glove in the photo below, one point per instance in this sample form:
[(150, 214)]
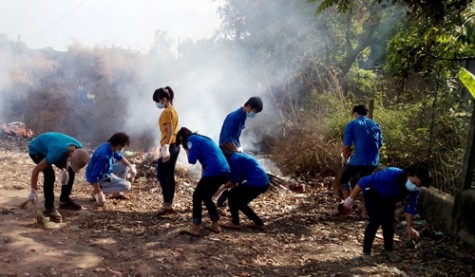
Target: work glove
[(348, 203), (64, 177), (165, 153), (33, 195), (132, 172), (240, 149), (100, 198)]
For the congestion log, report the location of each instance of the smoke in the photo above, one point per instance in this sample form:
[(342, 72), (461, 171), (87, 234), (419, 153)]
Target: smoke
[(92, 93)]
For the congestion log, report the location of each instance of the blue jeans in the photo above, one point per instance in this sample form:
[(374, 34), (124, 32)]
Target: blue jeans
[(166, 174)]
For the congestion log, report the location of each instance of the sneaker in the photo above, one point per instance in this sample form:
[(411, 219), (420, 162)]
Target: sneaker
[(53, 215), (391, 256), (368, 259), (69, 205)]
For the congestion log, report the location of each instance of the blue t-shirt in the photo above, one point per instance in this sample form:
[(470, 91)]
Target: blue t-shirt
[(207, 152), (232, 127), (53, 145), (246, 169), (101, 163), (385, 183), (365, 134)]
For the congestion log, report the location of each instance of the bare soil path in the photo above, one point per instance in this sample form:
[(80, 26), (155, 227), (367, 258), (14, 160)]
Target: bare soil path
[(303, 235)]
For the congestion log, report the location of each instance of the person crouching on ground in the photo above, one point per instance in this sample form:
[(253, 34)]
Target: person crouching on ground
[(107, 176), (216, 172), (381, 191), (64, 152), (248, 181)]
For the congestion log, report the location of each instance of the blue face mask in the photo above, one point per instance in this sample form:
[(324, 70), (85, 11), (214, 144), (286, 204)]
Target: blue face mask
[(159, 105), (410, 186), (251, 115)]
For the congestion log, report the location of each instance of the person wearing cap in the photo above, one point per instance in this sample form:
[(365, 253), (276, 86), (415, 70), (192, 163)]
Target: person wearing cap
[(381, 191), (365, 135), (234, 123), (65, 153), (248, 181), (107, 169)]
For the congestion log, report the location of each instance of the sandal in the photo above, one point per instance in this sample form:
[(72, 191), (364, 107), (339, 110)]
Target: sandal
[(214, 230), (187, 231), (230, 225), (391, 256), (368, 259), (163, 211)]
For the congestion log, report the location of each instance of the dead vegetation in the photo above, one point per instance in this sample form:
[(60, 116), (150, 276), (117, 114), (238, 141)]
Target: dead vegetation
[(303, 235)]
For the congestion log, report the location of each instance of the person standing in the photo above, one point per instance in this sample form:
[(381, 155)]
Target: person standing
[(248, 181), (234, 123), (365, 135), (215, 172), (65, 153), (381, 191), (169, 150), (107, 169)]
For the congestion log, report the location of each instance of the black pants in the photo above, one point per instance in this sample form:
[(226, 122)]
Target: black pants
[(240, 197), (205, 189), (381, 213), (49, 179), (351, 171), (166, 174)]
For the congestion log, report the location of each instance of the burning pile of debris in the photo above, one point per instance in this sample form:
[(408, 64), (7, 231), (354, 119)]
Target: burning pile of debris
[(16, 130)]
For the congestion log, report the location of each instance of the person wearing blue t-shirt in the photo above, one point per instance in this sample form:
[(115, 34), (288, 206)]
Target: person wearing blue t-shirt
[(215, 172), (381, 191), (107, 169), (365, 135), (248, 181), (67, 154), (234, 123)]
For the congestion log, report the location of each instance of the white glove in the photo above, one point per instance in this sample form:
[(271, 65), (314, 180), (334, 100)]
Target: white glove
[(165, 153), (348, 203), (133, 172), (240, 149), (33, 195), (64, 177), (100, 199)]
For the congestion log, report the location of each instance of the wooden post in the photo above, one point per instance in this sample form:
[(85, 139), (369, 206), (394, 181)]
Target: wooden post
[(370, 108), (469, 159)]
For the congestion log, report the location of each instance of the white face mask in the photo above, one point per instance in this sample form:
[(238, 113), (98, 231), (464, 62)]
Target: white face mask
[(410, 186), (159, 105), (251, 114)]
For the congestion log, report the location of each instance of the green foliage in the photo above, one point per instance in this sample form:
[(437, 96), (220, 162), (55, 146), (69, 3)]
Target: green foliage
[(468, 80)]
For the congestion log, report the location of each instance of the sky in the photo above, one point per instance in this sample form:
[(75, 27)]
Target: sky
[(95, 23)]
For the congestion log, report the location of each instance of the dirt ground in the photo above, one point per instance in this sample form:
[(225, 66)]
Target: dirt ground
[(303, 235)]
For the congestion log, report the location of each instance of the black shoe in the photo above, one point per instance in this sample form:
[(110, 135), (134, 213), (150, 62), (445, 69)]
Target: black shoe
[(69, 205)]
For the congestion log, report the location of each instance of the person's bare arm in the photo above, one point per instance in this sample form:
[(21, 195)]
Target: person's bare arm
[(36, 171)]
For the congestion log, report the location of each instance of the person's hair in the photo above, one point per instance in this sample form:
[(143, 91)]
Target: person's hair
[(120, 138), (360, 109), (415, 171), (255, 103), (182, 137), (166, 92)]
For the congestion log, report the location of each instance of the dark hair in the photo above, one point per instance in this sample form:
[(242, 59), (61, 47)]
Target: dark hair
[(166, 92), (419, 172), (182, 137), (360, 109), (120, 138), (255, 103), (415, 171)]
